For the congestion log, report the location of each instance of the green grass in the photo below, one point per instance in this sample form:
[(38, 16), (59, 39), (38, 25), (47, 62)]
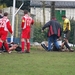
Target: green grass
[(38, 62)]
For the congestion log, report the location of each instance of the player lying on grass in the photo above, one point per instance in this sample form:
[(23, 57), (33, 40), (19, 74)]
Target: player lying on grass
[(63, 49), (12, 47), (52, 45)]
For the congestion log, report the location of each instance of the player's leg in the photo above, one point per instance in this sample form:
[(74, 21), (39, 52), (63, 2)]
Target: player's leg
[(28, 46), (6, 46), (28, 42), (44, 46), (1, 44), (4, 38), (50, 40), (56, 43), (66, 41), (23, 44)]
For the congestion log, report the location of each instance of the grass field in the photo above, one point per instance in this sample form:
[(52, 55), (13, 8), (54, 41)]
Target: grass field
[(38, 62)]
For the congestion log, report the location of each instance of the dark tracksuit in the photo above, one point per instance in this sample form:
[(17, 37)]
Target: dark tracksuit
[(54, 32)]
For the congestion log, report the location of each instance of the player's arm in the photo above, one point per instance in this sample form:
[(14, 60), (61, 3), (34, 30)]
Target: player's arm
[(9, 27), (22, 24), (67, 26), (46, 25), (32, 22)]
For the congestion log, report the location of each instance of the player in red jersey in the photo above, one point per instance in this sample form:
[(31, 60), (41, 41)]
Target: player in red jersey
[(27, 21), (5, 26), (1, 16)]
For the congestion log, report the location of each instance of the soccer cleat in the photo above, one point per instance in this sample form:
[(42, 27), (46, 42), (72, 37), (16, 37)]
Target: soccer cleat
[(71, 50), (27, 51), (43, 45), (9, 52)]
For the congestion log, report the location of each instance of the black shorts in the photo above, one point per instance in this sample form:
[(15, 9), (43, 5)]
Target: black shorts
[(67, 34)]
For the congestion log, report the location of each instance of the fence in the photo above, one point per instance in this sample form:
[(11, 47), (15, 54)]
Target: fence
[(42, 13), (61, 8)]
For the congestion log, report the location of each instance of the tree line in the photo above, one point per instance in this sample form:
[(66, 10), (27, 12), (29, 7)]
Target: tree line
[(8, 3), (43, 36)]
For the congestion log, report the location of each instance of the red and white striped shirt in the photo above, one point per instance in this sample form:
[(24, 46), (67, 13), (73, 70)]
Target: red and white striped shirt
[(26, 22), (5, 25)]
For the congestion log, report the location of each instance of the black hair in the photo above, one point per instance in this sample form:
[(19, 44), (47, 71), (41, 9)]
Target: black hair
[(63, 16), (5, 14), (25, 12)]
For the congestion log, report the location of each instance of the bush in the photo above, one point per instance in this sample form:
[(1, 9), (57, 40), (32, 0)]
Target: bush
[(38, 35)]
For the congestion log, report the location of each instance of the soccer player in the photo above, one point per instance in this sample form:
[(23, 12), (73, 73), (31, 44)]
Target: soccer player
[(1, 16), (5, 26), (27, 21), (66, 30)]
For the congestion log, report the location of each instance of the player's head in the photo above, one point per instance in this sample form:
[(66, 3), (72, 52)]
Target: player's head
[(53, 18), (5, 14), (25, 12), (63, 17)]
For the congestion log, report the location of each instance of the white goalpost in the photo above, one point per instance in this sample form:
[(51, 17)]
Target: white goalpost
[(13, 16)]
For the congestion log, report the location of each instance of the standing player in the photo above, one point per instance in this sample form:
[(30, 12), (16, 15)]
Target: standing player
[(27, 21), (66, 30), (5, 26), (1, 16)]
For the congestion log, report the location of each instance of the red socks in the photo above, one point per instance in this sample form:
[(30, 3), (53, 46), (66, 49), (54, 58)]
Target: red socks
[(23, 45), (28, 47), (1, 45), (6, 46)]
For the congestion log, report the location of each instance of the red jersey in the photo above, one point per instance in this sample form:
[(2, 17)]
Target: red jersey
[(5, 25), (27, 21)]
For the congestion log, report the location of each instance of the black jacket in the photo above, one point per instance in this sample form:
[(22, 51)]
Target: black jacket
[(54, 28)]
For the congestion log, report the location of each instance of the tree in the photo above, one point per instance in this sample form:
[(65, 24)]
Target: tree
[(52, 9), (43, 5), (2, 6), (18, 3), (72, 33), (25, 6), (7, 2), (38, 35)]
